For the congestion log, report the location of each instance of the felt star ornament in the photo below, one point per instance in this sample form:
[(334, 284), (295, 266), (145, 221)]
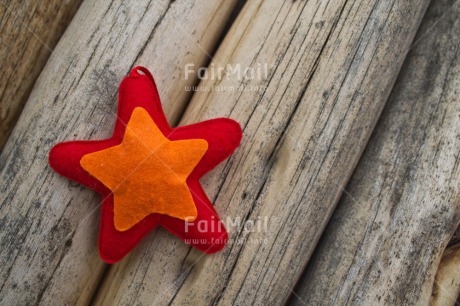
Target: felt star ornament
[(148, 173)]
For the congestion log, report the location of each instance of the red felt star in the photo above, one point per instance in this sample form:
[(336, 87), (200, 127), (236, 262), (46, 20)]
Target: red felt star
[(222, 135)]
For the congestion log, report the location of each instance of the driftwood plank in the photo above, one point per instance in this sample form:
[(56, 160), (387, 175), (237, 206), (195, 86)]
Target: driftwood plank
[(402, 205), (29, 30), (331, 68), (48, 240)]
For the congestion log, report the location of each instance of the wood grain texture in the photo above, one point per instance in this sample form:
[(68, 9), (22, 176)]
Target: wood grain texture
[(331, 68), (402, 205), (48, 252), (29, 30)]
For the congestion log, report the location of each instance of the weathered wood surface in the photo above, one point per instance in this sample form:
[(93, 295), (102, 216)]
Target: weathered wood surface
[(48, 252), (402, 205), (29, 30), (331, 68)]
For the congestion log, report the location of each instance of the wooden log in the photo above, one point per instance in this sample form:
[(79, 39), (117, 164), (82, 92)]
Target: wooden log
[(29, 31), (48, 241), (331, 66), (385, 239)]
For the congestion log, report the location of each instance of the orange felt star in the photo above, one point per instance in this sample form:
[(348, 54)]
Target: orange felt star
[(147, 172)]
